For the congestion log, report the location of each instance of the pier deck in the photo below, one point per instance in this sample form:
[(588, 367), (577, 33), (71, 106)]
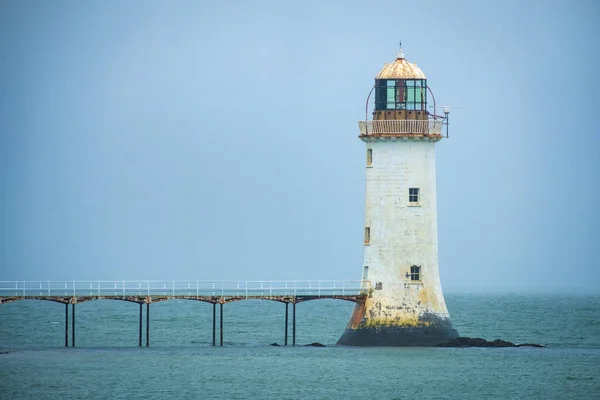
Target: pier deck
[(213, 292)]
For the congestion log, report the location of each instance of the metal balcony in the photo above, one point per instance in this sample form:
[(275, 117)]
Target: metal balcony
[(401, 127)]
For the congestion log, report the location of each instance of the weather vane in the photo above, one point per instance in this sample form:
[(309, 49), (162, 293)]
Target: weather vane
[(400, 52)]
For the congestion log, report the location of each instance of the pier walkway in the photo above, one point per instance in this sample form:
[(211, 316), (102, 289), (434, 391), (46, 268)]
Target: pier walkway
[(213, 292)]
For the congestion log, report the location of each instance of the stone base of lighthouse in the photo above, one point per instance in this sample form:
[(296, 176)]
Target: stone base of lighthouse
[(378, 323), (433, 330)]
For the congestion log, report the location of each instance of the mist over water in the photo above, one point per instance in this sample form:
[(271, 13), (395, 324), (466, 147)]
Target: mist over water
[(181, 362)]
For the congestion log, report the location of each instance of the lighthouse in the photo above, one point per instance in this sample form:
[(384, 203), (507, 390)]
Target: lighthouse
[(406, 305)]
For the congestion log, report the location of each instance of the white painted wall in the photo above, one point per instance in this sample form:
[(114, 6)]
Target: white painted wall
[(402, 235)]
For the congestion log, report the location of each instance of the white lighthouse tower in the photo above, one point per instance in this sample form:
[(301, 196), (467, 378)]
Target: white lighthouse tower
[(406, 306)]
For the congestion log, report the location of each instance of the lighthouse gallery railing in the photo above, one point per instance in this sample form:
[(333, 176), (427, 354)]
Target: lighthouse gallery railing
[(417, 127)]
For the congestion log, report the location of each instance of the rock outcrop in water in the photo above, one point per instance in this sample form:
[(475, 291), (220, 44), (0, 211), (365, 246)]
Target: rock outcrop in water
[(479, 342), (314, 344)]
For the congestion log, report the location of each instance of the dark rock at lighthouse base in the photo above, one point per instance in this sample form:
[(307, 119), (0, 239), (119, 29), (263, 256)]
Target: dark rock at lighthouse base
[(479, 342), (397, 336)]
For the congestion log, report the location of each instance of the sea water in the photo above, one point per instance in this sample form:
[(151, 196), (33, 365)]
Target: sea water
[(181, 362)]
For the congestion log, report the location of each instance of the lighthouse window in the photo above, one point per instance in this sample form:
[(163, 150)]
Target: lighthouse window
[(413, 195), (369, 157), (367, 235), (400, 94), (415, 273)]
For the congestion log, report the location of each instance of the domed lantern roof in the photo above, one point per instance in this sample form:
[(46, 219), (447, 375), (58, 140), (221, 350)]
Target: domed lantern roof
[(400, 69), (400, 91)]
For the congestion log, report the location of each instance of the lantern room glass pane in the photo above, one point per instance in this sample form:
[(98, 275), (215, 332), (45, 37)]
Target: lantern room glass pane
[(410, 95), (420, 98), (380, 94), (401, 94), (391, 95)]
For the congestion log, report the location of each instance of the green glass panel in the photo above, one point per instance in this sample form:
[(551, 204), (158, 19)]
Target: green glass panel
[(390, 94), (419, 97), (410, 95)]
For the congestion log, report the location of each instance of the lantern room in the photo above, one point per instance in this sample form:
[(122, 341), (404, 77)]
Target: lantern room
[(400, 92)]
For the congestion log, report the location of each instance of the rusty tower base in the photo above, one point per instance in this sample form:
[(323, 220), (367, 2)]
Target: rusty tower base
[(430, 330)]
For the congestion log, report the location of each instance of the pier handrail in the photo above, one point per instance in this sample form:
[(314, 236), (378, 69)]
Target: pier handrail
[(100, 288)]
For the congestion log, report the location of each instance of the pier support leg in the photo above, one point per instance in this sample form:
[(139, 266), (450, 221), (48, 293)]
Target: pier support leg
[(293, 324), (66, 324), (140, 336), (147, 324), (221, 328), (73, 325), (286, 323), (214, 324)]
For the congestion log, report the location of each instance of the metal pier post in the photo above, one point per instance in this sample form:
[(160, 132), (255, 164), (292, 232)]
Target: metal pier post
[(147, 324), (286, 323), (214, 323), (221, 322), (66, 324), (73, 325), (294, 323), (141, 306)]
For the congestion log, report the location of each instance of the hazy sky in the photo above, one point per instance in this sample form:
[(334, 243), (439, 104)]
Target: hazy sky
[(218, 140)]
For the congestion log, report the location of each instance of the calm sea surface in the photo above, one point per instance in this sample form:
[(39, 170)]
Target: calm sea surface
[(182, 364)]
